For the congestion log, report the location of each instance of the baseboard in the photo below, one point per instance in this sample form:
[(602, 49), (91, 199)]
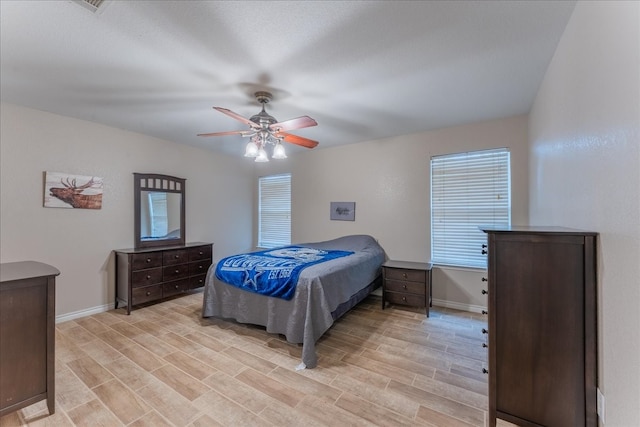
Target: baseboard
[(86, 312), (458, 306)]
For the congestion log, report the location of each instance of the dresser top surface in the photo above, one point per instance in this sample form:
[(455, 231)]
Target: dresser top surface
[(21, 270), (162, 248), (410, 265), (535, 229)]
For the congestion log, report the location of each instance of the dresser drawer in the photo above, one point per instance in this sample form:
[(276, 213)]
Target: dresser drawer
[(175, 272), (146, 260), (413, 300), (175, 287), (145, 294), (177, 256), (147, 277), (405, 274), (405, 287), (200, 253), (197, 281), (196, 268)]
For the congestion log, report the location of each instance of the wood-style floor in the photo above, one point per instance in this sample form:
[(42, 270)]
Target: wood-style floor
[(164, 365)]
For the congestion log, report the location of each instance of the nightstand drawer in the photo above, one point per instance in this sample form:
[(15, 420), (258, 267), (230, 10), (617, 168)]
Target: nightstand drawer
[(405, 274), (412, 300), (406, 287)]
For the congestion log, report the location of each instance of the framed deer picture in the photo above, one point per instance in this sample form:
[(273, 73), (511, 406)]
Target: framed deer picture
[(63, 190)]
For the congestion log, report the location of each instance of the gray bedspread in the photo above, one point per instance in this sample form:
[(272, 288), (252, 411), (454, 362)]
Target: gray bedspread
[(321, 289)]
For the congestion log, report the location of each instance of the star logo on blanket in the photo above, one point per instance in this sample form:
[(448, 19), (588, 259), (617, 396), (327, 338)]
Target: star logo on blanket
[(251, 278)]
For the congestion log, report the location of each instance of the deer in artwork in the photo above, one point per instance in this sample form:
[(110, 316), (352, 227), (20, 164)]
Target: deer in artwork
[(72, 194)]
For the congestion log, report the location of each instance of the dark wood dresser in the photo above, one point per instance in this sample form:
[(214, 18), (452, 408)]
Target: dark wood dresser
[(151, 274), (406, 283), (542, 326), (27, 335)]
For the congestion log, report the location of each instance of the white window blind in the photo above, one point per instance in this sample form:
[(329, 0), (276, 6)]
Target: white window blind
[(274, 211), (468, 190)]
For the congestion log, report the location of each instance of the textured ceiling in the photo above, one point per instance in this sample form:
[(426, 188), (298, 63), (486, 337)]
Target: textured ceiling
[(364, 69)]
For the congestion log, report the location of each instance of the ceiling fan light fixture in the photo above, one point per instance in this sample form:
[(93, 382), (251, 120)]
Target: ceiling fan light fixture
[(278, 151), (251, 150), (262, 156)]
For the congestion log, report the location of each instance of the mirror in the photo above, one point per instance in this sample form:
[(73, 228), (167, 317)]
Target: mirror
[(159, 202)]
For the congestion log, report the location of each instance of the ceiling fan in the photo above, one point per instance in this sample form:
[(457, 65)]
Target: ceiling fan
[(265, 129)]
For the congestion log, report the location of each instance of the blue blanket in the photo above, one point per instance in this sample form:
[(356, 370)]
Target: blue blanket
[(272, 272)]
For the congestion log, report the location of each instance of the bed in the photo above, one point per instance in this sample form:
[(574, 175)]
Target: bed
[(324, 292)]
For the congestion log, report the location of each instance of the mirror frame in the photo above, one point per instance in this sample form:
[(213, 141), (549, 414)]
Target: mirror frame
[(160, 183)]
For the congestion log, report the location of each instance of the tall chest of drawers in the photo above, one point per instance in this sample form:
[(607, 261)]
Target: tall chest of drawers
[(542, 306), (146, 275), (27, 335)]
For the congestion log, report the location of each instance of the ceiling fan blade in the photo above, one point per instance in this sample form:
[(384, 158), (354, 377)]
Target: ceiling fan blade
[(237, 117), (232, 132), (297, 123), (298, 140)]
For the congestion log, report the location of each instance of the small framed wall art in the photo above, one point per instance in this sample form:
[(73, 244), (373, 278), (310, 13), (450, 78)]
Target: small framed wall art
[(63, 190), (343, 211)]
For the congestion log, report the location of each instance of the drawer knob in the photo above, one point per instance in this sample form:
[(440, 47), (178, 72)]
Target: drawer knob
[(484, 292), (177, 256), (404, 286), (148, 259), (200, 267), (485, 331), (484, 252), (404, 275), (200, 281), (148, 277), (201, 253), (177, 286), (484, 279), (148, 293), (485, 312), (484, 246), (177, 271), (404, 299), (484, 345), (484, 371)]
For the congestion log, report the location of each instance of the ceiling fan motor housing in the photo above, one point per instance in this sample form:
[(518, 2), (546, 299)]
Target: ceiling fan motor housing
[(263, 118)]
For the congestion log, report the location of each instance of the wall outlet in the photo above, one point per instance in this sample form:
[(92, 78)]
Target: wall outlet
[(600, 406)]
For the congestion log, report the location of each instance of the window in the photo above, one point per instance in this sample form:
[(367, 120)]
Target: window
[(274, 211), (468, 190)]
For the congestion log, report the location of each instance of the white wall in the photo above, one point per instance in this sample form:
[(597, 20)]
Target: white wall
[(389, 181), (585, 173), (219, 192)]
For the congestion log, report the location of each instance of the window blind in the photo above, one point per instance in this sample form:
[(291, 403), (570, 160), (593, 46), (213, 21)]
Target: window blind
[(274, 211), (468, 190)]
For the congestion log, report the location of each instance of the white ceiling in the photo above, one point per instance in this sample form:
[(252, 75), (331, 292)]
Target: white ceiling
[(363, 69)]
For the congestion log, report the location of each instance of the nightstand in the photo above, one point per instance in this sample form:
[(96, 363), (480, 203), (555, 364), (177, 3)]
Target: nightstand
[(407, 283)]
